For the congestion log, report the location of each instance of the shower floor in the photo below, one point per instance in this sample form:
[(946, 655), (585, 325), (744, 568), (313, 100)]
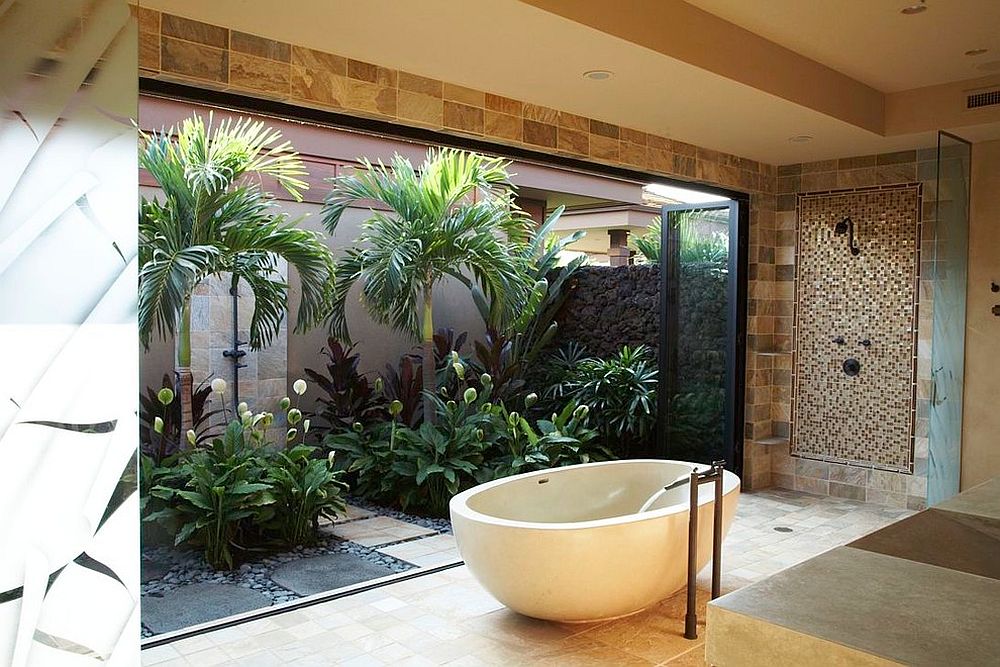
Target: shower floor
[(447, 618)]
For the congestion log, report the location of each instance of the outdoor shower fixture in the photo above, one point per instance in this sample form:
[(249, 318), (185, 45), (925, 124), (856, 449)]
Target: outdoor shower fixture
[(846, 226)]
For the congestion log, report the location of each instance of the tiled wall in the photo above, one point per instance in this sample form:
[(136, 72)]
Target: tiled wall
[(866, 419), (829, 477), (178, 49), (263, 381)]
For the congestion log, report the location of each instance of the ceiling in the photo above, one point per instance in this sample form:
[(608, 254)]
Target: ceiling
[(872, 42), (519, 50)]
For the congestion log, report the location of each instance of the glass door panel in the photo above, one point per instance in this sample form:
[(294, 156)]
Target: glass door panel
[(699, 298)]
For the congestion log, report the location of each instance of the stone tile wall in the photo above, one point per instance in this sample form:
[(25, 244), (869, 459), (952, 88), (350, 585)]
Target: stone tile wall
[(177, 49), (829, 477)]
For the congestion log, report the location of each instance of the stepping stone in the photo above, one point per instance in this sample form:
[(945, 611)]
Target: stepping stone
[(377, 531), (197, 603), (308, 576), (425, 552)]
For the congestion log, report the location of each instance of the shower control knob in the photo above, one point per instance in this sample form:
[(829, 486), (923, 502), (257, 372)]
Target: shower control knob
[(839, 340), (865, 343), (852, 367)]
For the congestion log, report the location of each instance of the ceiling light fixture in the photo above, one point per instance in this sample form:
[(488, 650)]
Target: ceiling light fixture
[(598, 74), (976, 52), (800, 138), (915, 9)]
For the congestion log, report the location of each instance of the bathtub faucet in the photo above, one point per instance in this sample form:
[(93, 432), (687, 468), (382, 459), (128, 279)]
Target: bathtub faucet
[(714, 475)]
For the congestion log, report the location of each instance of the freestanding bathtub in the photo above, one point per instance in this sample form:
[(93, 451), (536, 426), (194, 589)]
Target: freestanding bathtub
[(568, 544)]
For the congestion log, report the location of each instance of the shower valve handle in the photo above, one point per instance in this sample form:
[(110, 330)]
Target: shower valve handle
[(839, 340)]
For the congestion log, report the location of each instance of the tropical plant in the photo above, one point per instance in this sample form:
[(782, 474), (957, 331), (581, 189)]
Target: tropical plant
[(348, 398), (225, 486), (304, 489), (495, 355), (454, 217), (163, 444), (214, 218), (405, 385), (437, 460), (694, 246), (622, 390), (532, 326), (366, 455), (565, 439)]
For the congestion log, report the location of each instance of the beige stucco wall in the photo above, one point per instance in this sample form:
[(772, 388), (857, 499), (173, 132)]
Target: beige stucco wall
[(981, 423)]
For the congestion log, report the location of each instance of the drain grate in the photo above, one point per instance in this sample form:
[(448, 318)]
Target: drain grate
[(783, 529)]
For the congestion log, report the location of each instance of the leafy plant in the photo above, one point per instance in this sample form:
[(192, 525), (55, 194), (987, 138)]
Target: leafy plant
[(437, 460), (160, 445), (694, 246), (405, 385), (565, 439), (622, 390), (532, 326), (495, 355), (367, 454), (214, 218), (349, 398), (224, 488), (453, 217), (304, 489)]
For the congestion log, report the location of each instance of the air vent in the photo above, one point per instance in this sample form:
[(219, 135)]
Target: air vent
[(986, 98)]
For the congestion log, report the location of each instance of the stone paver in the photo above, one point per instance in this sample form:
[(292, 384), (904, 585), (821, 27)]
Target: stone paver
[(425, 552), (308, 576), (198, 603), (377, 531)]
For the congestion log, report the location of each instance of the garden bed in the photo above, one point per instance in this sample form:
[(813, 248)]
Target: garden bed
[(166, 570)]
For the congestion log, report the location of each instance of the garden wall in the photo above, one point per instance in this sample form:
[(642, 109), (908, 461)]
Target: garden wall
[(610, 307)]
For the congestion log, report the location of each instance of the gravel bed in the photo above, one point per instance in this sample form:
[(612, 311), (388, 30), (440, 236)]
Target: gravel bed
[(188, 566)]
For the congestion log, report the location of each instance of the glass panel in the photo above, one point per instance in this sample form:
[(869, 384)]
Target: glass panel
[(699, 332), (950, 268)]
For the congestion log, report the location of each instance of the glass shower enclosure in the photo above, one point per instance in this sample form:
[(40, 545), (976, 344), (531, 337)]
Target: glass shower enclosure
[(949, 280)]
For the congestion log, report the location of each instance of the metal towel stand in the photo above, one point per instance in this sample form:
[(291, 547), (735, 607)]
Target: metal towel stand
[(713, 474)]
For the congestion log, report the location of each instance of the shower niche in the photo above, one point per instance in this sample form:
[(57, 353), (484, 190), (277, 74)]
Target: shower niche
[(856, 321)]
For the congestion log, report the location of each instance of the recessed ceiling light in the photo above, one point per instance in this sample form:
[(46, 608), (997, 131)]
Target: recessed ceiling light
[(914, 9), (800, 138), (598, 74), (976, 52)]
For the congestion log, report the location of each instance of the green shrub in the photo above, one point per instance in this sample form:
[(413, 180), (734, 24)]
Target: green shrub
[(621, 390), (563, 440), (240, 490), (224, 487), (303, 489)]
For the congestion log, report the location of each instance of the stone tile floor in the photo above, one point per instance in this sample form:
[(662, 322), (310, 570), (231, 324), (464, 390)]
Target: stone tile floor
[(447, 618)]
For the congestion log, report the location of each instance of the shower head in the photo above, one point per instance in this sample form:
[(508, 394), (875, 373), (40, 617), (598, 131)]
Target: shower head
[(846, 226)]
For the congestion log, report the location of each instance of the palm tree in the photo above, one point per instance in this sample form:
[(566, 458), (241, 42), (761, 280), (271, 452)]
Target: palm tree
[(214, 218), (456, 218)]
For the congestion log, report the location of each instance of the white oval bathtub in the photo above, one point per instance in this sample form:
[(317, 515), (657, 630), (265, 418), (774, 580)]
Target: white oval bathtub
[(568, 544)]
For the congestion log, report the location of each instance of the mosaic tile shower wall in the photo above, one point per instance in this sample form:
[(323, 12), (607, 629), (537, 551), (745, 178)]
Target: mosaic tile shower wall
[(863, 308)]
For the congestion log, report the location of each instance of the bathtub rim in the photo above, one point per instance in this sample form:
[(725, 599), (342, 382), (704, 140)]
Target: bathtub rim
[(459, 504)]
